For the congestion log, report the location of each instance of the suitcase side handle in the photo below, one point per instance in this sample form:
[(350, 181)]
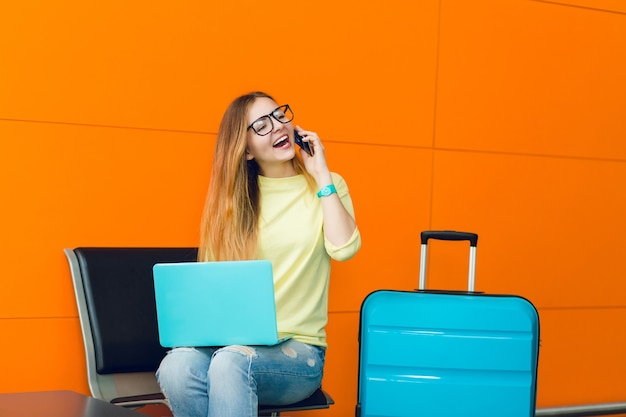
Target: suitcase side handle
[(449, 235)]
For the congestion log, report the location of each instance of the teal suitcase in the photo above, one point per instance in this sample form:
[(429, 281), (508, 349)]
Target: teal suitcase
[(447, 353)]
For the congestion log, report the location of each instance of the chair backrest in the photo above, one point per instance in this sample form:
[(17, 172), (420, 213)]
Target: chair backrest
[(115, 296)]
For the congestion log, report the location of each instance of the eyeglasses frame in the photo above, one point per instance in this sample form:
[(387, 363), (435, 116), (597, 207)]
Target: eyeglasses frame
[(271, 116)]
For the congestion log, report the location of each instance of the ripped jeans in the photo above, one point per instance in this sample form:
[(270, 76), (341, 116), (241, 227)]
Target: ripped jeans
[(234, 380)]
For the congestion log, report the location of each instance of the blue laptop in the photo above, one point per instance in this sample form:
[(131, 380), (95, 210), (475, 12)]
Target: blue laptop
[(215, 303)]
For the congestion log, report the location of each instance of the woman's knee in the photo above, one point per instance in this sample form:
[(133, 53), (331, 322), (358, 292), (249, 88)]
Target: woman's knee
[(181, 368), (231, 362)]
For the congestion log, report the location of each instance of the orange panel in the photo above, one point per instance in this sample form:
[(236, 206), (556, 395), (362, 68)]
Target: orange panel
[(550, 229), (392, 204), (78, 186), (377, 65), (531, 77), (140, 189), (606, 5), (176, 65), (581, 358), (116, 63), (42, 354)]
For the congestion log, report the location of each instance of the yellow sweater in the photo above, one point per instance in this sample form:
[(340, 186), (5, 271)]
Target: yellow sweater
[(291, 236)]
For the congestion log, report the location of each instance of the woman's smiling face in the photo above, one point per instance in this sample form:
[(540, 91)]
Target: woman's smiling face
[(274, 148)]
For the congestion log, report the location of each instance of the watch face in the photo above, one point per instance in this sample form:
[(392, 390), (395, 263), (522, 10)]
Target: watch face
[(326, 191)]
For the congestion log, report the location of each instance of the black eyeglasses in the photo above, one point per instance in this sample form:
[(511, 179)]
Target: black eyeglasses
[(264, 124)]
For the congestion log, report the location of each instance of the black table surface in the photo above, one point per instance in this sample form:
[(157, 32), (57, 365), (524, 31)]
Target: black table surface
[(58, 404)]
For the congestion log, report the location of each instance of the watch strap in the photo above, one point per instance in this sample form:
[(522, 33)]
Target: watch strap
[(326, 191)]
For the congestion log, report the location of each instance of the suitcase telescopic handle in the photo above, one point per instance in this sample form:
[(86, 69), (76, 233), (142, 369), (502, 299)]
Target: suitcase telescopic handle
[(449, 235)]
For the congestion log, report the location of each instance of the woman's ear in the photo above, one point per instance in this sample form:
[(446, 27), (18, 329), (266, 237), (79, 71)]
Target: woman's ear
[(249, 156)]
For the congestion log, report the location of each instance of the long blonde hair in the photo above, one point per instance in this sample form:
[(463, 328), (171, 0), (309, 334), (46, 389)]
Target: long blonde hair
[(230, 220)]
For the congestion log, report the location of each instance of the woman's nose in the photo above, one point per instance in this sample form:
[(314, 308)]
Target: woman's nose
[(276, 126)]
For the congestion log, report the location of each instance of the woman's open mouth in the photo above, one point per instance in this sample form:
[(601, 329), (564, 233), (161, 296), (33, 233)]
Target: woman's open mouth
[(282, 142)]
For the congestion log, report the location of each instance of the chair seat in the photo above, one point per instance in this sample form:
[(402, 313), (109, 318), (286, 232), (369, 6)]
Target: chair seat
[(318, 400), (132, 401)]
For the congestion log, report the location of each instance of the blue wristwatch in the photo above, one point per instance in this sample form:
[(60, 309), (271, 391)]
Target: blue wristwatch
[(326, 191)]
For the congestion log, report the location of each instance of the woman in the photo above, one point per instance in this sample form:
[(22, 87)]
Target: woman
[(266, 202)]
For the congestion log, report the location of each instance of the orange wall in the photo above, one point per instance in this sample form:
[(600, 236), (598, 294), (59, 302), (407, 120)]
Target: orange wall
[(502, 117)]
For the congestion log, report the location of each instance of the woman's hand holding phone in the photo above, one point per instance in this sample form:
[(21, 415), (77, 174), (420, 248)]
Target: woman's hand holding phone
[(315, 160), (302, 144)]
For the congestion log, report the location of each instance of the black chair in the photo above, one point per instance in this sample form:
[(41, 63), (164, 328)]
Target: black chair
[(115, 296)]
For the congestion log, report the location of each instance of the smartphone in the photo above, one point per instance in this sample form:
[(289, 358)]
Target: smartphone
[(304, 145)]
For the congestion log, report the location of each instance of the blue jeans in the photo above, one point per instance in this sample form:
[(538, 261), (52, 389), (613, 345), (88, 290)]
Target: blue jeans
[(234, 380)]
